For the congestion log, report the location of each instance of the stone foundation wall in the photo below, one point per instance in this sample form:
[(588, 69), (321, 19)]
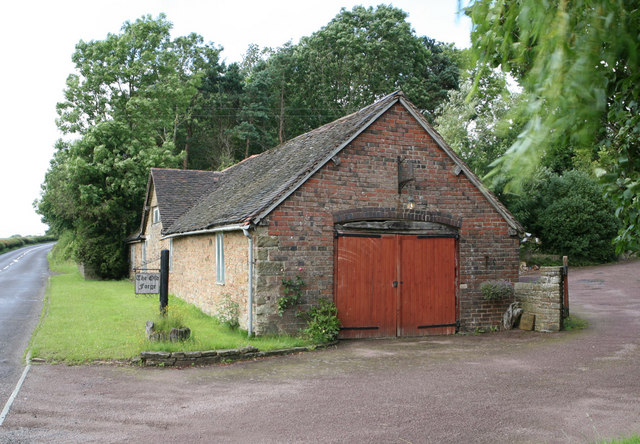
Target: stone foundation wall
[(543, 299)]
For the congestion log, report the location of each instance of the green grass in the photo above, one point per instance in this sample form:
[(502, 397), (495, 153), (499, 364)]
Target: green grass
[(635, 439), (573, 323), (85, 321)]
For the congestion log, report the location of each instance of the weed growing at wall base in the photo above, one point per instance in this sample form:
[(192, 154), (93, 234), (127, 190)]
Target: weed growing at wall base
[(323, 324)]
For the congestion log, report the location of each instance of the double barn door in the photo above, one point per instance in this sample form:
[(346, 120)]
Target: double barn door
[(395, 285)]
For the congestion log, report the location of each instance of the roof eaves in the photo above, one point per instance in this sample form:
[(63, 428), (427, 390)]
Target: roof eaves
[(219, 229), (493, 200)]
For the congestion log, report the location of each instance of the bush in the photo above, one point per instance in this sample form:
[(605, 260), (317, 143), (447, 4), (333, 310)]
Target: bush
[(569, 215), (492, 290), (323, 324)]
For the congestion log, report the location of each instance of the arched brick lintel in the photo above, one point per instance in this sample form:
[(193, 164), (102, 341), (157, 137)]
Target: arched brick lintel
[(371, 213)]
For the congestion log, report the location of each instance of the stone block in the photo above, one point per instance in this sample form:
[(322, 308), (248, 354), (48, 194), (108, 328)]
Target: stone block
[(228, 352), (527, 321), (209, 353), (155, 355), (248, 349), (267, 241), (159, 362), (269, 268)]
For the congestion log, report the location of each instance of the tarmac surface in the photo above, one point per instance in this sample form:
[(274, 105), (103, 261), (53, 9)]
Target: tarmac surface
[(23, 278), (511, 387)]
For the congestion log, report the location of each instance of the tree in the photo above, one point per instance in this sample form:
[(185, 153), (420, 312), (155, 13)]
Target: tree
[(568, 213), (128, 105), (577, 61), (358, 57), (366, 53), (473, 121)]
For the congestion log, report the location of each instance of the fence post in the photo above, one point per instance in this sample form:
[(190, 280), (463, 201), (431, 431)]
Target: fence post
[(164, 281)]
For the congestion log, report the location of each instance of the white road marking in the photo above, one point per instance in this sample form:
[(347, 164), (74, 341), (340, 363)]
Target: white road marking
[(7, 406), (16, 260)]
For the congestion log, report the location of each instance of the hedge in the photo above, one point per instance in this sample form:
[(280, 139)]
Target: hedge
[(14, 242)]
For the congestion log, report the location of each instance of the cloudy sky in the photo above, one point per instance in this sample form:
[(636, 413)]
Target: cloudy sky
[(37, 39)]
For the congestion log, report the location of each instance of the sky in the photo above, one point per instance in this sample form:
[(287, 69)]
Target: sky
[(37, 39)]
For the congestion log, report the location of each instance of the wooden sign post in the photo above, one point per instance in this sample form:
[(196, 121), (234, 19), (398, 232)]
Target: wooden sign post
[(164, 281)]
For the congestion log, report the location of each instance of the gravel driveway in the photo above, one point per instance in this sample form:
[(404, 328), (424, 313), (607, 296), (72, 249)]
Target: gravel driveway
[(500, 387)]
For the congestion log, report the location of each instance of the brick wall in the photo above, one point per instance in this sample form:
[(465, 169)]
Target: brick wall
[(299, 232), (543, 299)]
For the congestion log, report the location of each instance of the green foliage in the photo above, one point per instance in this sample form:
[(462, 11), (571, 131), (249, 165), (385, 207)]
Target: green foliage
[(492, 290), (473, 120), (568, 213), (292, 293), (358, 57), (579, 63), (365, 53), (17, 241), (228, 312), (574, 323), (128, 102), (323, 324)]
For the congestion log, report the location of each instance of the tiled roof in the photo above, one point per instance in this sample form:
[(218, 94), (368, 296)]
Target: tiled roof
[(179, 190), (252, 186), (249, 190)]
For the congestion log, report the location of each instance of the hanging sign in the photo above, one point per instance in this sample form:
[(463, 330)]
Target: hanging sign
[(147, 283)]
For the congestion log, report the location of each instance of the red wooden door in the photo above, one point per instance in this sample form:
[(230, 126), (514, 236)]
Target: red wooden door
[(365, 296), (427, 286), (395, 285)]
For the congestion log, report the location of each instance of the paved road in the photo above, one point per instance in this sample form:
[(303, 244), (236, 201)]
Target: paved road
[(511, 387), (23, 278)]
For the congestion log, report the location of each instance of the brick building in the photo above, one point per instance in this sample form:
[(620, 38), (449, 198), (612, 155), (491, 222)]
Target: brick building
[(374, 211)]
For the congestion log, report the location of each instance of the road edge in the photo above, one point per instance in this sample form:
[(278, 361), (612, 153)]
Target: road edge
[(14, 394)]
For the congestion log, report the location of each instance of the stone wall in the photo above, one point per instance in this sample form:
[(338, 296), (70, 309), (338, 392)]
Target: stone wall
[(298, 236), (193, 275), (543, 299), (153, 237)]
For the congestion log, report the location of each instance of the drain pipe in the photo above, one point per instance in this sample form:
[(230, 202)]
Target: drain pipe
[(245, 231)]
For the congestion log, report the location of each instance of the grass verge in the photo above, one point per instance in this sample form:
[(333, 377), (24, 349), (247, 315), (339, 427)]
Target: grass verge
[(86, 321)]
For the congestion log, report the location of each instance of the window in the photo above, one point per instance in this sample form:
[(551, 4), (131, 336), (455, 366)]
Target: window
[(132, 259), (156, 215), (220, 258)]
